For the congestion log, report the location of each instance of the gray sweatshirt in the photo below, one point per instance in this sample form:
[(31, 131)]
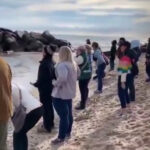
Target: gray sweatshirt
[(65, 85)]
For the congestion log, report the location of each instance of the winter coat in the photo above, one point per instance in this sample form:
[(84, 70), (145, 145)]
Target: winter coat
[(46, 74), (5, 91)]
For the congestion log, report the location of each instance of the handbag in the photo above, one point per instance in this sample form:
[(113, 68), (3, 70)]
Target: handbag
[(19, 116)]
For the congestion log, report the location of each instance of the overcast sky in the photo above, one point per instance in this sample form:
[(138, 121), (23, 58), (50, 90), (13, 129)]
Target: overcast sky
[(89, 17)]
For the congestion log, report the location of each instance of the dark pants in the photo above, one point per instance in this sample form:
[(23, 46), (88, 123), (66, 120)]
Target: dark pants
[(64, 111), (148, 69), (20, 140), (112, 63), (48, 111), (100, 73), (84, 91), (123, 94), (131, 86)]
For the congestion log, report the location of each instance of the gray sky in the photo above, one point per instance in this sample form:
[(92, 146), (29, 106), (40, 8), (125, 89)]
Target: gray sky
[(129, 18)]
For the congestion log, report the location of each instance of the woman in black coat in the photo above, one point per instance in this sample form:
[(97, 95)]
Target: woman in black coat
[(46, 74)]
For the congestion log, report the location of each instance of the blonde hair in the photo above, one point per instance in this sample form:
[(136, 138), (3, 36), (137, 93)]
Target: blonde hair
[(65, 54)]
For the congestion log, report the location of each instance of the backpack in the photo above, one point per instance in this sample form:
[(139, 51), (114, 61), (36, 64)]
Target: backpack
[(106, 59), (19, 116)]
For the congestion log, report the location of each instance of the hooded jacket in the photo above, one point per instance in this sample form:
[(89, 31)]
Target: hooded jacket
[(46, 74)]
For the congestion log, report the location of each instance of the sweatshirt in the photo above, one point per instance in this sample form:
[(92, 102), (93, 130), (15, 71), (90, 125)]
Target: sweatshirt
[(65, 83), (124, 67)]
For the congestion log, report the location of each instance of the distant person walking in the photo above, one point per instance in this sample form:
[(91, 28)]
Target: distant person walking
[(84, 64), (148, 61), (64, 91), (113, 54), (26, 113), (46, 74), (124, 68), (101, 65), (88, 41), (5, 101)]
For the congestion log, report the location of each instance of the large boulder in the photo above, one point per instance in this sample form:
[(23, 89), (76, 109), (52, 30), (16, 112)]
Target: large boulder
[(9, 41), (60, 42), (1, 36), (48, 36), (28, 41), (26, 37), (35, 35), (34, 46), (20, 34)]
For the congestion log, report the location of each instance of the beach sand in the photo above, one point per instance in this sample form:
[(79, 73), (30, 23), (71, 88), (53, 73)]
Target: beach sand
[(99, 127)]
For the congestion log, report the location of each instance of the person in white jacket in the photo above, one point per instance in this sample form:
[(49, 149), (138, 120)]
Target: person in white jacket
[(26, 113)]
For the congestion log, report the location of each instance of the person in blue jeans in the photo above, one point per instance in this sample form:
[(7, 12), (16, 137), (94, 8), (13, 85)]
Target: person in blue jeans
[(101, 65), (64, 110), (100, 74), (64, 91)]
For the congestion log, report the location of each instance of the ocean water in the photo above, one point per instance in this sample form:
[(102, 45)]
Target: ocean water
[(103, 40), (77, 40)]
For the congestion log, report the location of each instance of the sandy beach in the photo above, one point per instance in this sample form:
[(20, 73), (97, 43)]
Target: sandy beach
[(99, 127)]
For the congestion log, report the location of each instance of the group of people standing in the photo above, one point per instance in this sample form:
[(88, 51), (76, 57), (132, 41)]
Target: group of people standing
[(56, 84)]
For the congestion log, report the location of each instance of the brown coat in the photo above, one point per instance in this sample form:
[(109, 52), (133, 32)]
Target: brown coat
[(5, 91)]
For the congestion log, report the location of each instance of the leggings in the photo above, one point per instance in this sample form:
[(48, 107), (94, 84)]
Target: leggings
[(20, 140)]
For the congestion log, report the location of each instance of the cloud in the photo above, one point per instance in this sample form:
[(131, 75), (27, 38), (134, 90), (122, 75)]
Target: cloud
[(145, 19), (113, 12), (89, 17), (89, 2)]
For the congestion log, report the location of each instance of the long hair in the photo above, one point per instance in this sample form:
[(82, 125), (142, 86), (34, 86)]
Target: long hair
[(95, 45), (120, 53), (65, 55)]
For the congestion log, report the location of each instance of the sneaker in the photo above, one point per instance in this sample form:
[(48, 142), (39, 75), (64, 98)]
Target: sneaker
[(79, 108), (57, 141), (41, 129), (97, 92)]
